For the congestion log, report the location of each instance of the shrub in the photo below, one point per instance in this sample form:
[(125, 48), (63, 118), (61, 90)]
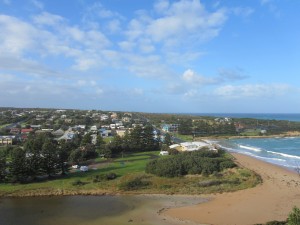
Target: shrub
[(135, 183), (227, 164), (104, 177), (78, 183), (208, 183), (294, 217), (198, 162)]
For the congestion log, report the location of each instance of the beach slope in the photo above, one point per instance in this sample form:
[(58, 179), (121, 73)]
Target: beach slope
[(271, 200)]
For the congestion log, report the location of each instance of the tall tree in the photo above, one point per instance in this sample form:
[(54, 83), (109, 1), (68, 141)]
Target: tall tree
[(50, 158), (136, 139), (87, 139), (2, 166), (149, 143), (33, 159), (18, 168), (167, 139)]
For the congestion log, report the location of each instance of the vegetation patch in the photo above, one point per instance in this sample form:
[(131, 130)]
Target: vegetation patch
[(131, 183), (203, 162)]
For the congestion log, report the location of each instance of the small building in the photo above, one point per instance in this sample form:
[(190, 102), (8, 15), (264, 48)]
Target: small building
[(121, 133), (26, 131), (15, 130), (163, 153), (6, 140)]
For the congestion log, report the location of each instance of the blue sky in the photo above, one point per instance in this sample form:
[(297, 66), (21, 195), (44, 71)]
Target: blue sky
[(151, 56)]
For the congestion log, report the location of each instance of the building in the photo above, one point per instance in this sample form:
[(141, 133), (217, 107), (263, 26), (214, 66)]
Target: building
[(170, 127), (6, 140), (192, 146)]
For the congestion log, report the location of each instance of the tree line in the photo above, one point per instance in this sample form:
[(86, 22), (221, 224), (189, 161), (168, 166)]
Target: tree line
[(42, 156)]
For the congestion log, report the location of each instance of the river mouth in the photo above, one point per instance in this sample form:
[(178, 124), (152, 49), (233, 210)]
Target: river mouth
[(90, 210)]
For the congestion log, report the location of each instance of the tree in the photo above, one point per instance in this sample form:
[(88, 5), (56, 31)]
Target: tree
[(185, 127), (294, 217), (167, 139), (148, 141), (33, 159), (64, 151), (18, 168), (136, 139), (49, 158), (75, 156), (2, 166), (87, 139)]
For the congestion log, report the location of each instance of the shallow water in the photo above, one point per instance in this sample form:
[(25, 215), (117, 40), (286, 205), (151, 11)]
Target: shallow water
[(90, 210)]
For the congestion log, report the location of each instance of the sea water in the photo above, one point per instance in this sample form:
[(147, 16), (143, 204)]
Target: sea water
[(282, 151)]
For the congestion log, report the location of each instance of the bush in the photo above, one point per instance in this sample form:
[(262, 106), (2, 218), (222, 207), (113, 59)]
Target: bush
[(78, 183), (227, 164), (294, 217), (208, 183), (203, 162), (134, 184), (104, 177)]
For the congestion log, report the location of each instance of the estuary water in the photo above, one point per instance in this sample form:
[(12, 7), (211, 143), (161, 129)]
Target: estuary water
[(283, 151), (91, 210)]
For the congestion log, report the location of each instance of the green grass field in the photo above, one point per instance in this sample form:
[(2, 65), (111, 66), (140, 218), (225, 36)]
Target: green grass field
[(132, 179)]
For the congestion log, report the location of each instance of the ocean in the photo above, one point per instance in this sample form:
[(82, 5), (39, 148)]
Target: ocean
[(280, 151), (263, 116), (283, 151)]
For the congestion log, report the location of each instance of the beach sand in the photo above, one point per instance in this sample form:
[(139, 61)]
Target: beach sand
[(271, 200)]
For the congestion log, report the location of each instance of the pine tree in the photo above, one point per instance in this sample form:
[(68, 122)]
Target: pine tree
[(167, 140), (2, 166), (50, 158), (136, 139), (18, 168), (33, 159), (148, 141)]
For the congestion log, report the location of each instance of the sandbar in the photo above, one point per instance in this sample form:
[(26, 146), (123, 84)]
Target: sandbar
[(271, 200)]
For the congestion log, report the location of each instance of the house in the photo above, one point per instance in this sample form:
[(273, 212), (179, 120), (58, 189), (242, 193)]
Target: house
[(68, 120), (93, 128), (192, 146), (114, 116), (58, 133), (26, 131), (104, 117), (68, 136), (6, 140), (36, 127), (63, 116), (170, 127), (104, 132), (112, 126), (126, 119), (121, 133), (15, 130)]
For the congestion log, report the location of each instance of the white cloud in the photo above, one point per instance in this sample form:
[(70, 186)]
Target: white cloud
[(178, 22), (49, 19), (191, 77), (37, 4), (19, 36), (253, 90), (243, 11)]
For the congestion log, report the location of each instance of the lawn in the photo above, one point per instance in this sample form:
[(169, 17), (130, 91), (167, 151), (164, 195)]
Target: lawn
[(132, 179)]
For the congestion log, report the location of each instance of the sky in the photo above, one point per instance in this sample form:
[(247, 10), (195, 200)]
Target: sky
[(173, 56)]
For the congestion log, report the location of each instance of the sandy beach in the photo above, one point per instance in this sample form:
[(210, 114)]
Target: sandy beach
[(271, 200)]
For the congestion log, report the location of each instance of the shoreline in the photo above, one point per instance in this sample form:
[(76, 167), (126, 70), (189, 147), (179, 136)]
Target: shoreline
[(271, 200)]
